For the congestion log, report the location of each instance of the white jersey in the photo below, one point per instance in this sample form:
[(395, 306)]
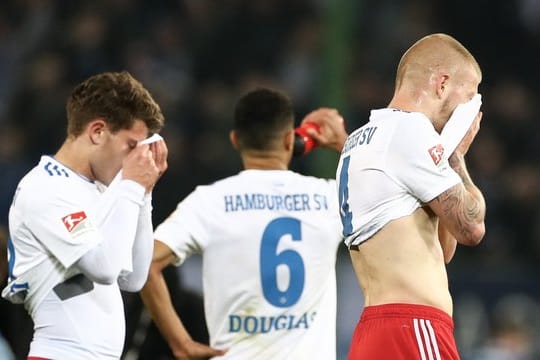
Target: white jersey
[(52, 224), (268, 240), (395, 163)]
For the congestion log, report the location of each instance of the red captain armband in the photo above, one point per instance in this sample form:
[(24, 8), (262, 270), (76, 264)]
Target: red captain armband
[(303, 142)]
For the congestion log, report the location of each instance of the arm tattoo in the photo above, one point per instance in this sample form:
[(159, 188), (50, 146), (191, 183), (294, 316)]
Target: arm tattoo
[(463, 203)]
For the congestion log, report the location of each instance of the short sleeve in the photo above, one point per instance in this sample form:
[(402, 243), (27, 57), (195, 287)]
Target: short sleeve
[(421, 163), (184, 231), (63, 226)]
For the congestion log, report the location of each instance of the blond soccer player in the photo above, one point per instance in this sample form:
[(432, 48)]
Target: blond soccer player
[(406, 201)]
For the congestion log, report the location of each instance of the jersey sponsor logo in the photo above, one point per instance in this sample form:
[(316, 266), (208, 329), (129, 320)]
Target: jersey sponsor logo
[(72, 220), (436, 153), (264, 324)]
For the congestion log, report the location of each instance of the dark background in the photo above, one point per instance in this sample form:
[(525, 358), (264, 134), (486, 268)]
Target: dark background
[(198, 56)]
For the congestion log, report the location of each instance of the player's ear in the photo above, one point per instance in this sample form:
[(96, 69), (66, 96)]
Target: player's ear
[(289, 140), (234, 139), (441, 82), (96, 130)]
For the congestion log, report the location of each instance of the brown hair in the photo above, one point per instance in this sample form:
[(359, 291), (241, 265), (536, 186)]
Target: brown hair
[(116, 97)]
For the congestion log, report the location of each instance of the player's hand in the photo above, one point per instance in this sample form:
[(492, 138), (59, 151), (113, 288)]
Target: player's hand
[(332, 133), (193, 350), (139, 165), (467, 140), (159, 152)]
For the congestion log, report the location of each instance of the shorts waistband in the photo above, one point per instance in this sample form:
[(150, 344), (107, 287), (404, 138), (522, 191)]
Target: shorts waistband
[(406, 310)]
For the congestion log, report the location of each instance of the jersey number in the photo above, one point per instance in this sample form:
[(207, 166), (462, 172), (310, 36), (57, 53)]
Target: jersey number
[(270, 260), (345, 213)]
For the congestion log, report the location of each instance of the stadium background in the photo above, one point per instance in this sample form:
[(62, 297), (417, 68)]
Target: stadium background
[(198, 56)]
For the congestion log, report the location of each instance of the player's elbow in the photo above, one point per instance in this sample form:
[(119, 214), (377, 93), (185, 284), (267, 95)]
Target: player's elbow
[(103, 272), (474, 235), (102, 277), (134, 281), (132, 284)]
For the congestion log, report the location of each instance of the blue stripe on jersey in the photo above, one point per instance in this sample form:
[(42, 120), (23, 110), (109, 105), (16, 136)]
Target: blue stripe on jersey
[(56, 170), (345, 213), (11, 261)]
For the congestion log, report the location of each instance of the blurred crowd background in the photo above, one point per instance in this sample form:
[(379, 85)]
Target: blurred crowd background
[(198, 56)]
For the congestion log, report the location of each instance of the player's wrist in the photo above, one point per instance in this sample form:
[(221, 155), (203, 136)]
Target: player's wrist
[(133, 190)]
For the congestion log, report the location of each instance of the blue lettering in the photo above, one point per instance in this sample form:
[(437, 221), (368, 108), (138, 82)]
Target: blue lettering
[(250, 324), (367, 135), (279, 202), (303, 320), (265, 329), (320, 201), (288, 203), (270, 202), (260, 202), (235, 323), (251, 329), (239, 203), (250, 201), (229, 203), (305, 202), (291, 319), (281, 322), (363, 136)]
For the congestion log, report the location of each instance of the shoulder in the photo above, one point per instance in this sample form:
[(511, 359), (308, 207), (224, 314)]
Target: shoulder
[(414, 131), (47, 182), (413, 122)]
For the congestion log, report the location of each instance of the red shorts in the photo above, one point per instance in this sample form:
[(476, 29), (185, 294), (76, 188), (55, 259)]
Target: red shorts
[(404, 332)]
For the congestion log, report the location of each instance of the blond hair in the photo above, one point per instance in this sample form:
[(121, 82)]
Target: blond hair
[(435, 52)]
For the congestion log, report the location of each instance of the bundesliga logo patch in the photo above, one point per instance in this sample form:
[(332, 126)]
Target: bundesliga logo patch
[(72, 220), (436, 153)]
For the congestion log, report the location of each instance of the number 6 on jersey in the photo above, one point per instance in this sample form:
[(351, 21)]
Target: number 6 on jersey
[(270, 260)]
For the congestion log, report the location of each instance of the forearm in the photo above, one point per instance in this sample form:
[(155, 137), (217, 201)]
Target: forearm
[(141, 251), (463, 206), (157, 299), (117, 224), (476, 204)]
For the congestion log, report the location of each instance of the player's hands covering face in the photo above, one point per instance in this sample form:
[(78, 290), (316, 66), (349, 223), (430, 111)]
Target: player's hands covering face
[(146, 163)]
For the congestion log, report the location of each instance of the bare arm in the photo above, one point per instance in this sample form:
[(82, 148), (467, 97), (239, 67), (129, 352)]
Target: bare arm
[(462, 208), (157, 299)]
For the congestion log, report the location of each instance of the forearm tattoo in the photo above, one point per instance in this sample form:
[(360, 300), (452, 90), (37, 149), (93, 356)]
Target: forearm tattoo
[(463, 203)]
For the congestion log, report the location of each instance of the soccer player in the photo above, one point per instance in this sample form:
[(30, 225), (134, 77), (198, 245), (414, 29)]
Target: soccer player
[(77, 236), (405, 200), (268, 238)]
